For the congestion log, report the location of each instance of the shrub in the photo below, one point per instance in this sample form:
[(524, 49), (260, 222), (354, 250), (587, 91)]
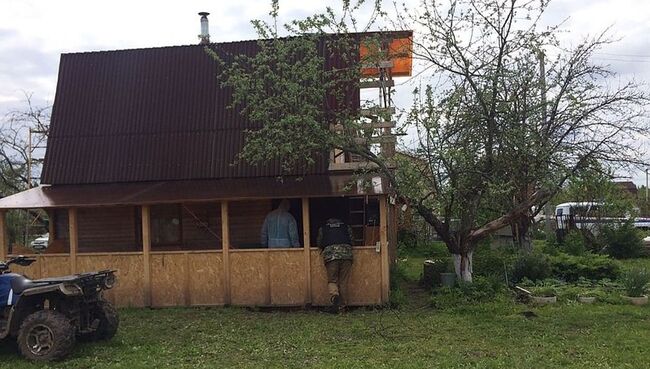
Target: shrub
[(574, 243), (550, 246), (534, 266), (588, 266), (635, 281), (493, 262), (409, 246), (623, 242), (482, 289), (545, 291)]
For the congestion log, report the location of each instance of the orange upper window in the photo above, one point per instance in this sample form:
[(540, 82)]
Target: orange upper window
[(399, 51)]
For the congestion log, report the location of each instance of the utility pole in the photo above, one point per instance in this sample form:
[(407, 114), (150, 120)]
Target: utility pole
[(646, 185), (548, 211)]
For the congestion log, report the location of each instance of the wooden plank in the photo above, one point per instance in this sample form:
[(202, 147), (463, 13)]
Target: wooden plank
[(4, 245), (364, 285), (287, 277), (107, 229), (74, 238), (319, 294), (54, 266), (379, 64), (128, 291), (225, 246), (383, 238), (146, 253), (249, 278), (378, 125), (206, 285), (306, 236), (169, 285), (188, 276), (245, 221), (377, 83), (371, 112)]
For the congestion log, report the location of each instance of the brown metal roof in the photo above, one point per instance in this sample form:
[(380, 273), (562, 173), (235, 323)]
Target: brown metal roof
[(89, 195), (154, 114)]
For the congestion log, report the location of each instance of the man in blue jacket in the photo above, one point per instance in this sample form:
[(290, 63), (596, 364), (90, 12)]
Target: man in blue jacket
[(280, 228)]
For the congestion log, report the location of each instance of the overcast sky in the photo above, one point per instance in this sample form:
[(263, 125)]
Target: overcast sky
[(33, 34)]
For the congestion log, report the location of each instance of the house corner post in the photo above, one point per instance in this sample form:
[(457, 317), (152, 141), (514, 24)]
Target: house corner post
[(306, 237), (4, 240), (383, 239), (73, 235), (225, 248), (146, 253)]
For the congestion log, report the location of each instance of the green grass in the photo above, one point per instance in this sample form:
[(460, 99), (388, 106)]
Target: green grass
[(491, 335), (487, 335)]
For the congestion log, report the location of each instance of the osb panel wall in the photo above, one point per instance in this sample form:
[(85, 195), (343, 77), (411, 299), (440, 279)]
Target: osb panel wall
[(201, 226), (169, 280), (206, 285), (130, 276), (365, 278), (246, 219), (108, 229), (287, 277), (45, 266), (319, 294), (53, 266), (249, 278)]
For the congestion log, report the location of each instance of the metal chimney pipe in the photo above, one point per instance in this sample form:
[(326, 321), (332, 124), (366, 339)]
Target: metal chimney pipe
[(205, 32)]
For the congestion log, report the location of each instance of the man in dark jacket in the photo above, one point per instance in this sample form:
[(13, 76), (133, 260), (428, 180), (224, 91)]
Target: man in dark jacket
[(335, 241)]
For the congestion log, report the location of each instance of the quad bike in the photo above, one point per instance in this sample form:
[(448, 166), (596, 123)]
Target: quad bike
[(47, 316)]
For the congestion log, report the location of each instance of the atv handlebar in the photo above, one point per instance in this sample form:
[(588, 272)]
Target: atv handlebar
[(19, 260)]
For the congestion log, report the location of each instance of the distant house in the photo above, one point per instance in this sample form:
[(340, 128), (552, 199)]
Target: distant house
[(139, 177), (629, 187)]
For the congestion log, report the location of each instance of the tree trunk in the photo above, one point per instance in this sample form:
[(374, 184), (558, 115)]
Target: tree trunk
[(521, 234), (463, 266)]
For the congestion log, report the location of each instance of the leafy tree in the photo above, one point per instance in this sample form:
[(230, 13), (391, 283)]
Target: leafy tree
[(14, 165), (14, 148), (496, 137)]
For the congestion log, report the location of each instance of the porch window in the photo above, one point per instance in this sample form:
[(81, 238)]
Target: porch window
[(193, 226), (361, 213), (247, 219), (108, 229), (166, 225)]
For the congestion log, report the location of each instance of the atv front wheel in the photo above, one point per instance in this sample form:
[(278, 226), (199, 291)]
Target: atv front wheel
[(46, 335)]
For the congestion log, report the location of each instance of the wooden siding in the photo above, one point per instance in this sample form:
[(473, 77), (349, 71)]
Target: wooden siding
[(246, 219), (111, 229), (201, 226), (264, 277), (129, 291)]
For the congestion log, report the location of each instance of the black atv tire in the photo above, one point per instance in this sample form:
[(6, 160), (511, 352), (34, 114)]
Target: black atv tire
[(46, 335), (109, 321)]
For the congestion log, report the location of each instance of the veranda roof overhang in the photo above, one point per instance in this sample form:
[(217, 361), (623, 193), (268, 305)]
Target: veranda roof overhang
[(139, 193)]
